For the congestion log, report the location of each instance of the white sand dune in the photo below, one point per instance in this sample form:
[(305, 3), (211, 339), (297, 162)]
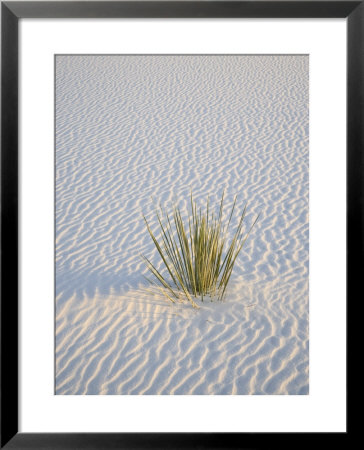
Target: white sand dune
[(129, 127)]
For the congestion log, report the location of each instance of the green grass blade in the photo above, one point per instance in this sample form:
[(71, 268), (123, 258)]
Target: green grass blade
[(197, 256)]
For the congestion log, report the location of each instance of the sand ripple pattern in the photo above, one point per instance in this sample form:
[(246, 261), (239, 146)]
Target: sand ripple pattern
[(132, 127)]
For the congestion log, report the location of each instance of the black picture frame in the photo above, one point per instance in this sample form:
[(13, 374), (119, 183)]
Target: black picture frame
[(11, 12)]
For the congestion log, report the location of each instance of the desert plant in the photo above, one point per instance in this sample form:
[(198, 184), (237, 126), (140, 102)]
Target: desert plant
[(196, 255)]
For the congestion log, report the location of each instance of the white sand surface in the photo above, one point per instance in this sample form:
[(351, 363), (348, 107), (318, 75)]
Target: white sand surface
[(128, 127)]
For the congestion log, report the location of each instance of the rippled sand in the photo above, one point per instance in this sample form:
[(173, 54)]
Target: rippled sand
[(129, 127)]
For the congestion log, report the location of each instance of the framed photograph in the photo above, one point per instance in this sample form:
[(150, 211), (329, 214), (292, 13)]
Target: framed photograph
[(181, 221)]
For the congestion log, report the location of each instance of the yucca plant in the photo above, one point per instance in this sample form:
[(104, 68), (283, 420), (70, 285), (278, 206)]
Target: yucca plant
[(196, 254)]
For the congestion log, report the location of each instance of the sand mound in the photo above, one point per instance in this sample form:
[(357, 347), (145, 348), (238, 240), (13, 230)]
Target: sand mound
[(128, 127)]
